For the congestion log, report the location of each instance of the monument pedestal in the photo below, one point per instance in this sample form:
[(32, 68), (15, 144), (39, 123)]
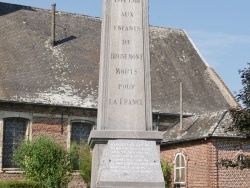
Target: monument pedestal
[(126, 159)]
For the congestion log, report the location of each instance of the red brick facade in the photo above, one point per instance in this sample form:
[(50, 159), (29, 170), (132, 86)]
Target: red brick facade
[(54, 122), (202, 157), (52, 127)]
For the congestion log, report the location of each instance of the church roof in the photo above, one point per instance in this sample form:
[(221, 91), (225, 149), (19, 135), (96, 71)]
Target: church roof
[(32, 71)]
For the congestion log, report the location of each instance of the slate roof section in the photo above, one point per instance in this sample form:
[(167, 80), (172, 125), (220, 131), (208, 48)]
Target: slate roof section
[(32, 71), (214, 124)]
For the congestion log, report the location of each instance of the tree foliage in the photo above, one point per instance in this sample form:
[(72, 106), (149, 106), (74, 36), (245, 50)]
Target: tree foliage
[(241, 121), (44, 161), (244, 94), (241, 116)]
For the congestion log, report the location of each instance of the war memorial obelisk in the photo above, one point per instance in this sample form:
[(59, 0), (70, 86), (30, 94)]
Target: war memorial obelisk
[(126, 150)]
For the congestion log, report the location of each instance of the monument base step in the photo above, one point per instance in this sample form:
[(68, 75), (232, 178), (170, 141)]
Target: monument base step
[(131, 185), (103, 136)]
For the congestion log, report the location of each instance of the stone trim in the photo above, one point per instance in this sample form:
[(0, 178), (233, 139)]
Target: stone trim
[(102, 137)]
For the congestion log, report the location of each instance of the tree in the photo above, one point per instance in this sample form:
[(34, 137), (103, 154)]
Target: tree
[(241, 116), (44, 161)]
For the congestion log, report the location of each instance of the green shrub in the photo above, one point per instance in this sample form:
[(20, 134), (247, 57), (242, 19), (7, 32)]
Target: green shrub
[(74, 155), (44, 161), (166, 170), (85, 161), (20, 184), (80, 157)]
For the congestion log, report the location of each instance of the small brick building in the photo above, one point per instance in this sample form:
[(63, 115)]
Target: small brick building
[(52, 90), (197, 152)]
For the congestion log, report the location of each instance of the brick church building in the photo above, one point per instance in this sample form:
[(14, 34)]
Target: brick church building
[(52, 90)]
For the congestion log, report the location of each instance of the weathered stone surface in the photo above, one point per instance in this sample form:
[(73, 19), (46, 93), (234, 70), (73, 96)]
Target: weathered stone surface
[(124, 86), (130, 163)]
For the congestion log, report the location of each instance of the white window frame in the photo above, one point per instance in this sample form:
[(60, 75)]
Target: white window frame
[(179, 168)]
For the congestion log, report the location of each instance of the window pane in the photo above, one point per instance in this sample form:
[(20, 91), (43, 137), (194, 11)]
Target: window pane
[(177, 161), (182, 161), (183, 175), (13, 136), (80, 132), (177, 175)]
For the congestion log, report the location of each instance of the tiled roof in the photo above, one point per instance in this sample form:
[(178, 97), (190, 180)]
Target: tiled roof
[(32, 71), (216, 124)]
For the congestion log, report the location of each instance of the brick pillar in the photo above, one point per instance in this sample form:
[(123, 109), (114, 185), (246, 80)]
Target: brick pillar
[(213, 166)]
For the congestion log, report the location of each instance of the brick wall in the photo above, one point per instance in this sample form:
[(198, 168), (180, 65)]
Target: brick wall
[(55, 128), (202, 158), (12, 176), (197, 154), (232, 177)]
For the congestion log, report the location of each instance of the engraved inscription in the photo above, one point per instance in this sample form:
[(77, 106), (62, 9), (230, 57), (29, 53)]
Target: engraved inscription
[(126, 42), (127, 56), (126, 71), (127, 1), (126, 86), (127, 14), (132, 157), (126, 28), (125, 101)]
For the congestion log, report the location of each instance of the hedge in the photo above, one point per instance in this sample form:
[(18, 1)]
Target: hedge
[(20, 184)]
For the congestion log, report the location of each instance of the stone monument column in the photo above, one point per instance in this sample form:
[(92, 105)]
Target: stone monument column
[(125, 146)]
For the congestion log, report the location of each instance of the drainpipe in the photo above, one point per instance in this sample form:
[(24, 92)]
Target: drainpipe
[(181, 108), (181, 130), (53, 24)]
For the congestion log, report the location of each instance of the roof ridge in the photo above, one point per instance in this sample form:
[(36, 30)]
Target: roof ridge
[(224, 87)]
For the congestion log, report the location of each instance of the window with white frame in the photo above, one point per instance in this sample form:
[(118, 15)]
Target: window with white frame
[(14, 133), (179, 169), (80, 131)]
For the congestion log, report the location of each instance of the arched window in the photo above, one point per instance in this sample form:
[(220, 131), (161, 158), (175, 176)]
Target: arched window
[(180, 169)]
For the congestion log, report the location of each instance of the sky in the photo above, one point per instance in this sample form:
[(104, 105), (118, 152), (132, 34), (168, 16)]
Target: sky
[(219, 29)]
